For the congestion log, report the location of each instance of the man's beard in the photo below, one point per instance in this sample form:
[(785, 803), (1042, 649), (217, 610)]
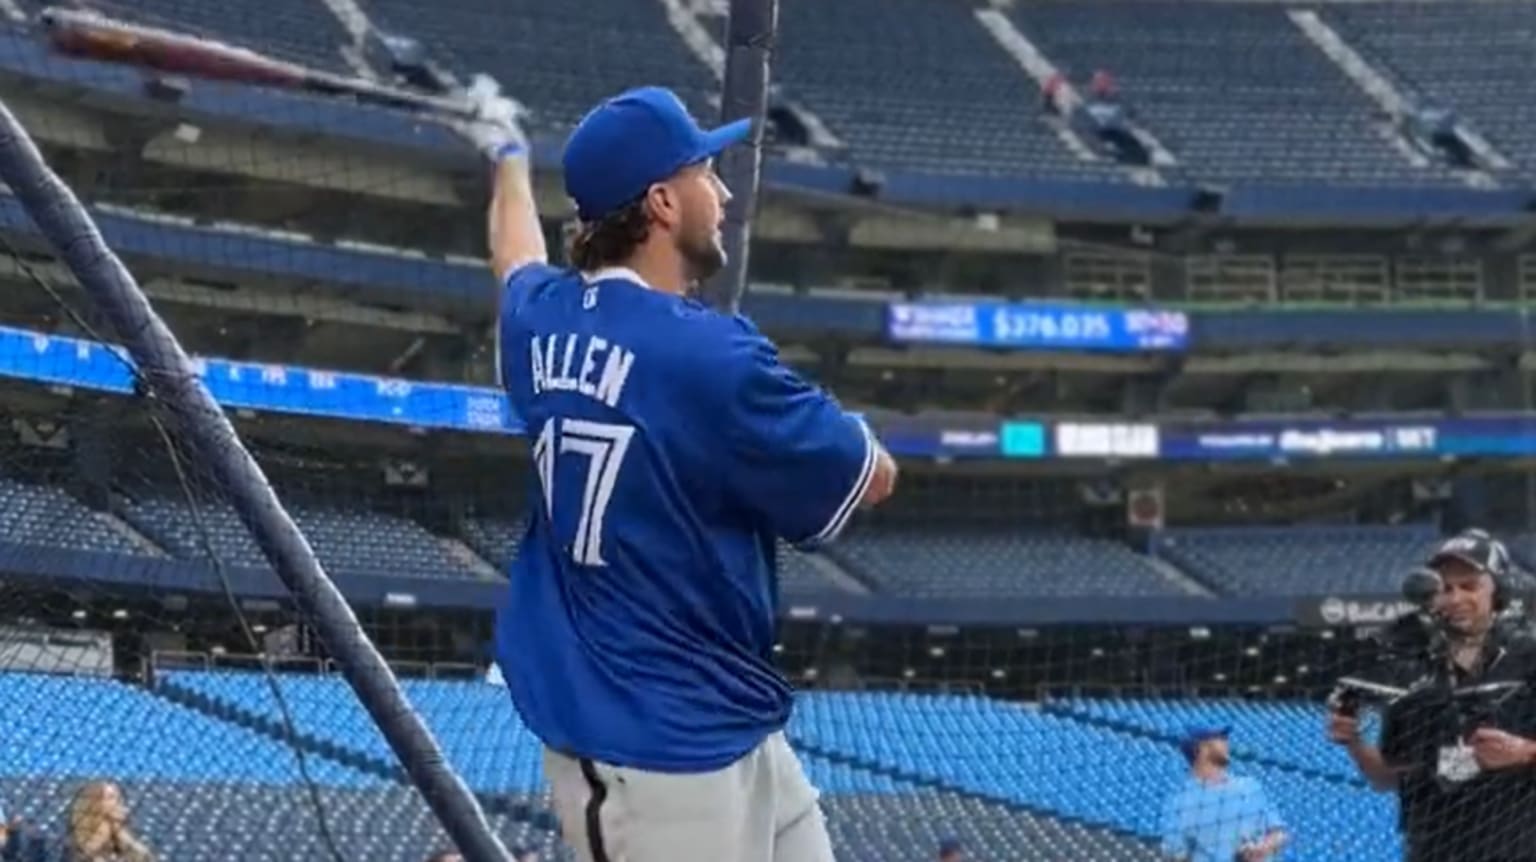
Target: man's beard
[(704, 257)]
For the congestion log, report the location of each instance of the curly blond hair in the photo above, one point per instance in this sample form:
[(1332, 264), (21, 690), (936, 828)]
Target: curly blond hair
[(98, 827)]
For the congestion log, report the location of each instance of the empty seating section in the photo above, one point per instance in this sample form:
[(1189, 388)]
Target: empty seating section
[(367, 541), (798, 575), (264, 823), (557, 57), (931, 560), (303, 31), (87, 727), (495, 539), (1080, 779), (1074, 769), (47, 515), (872, 811), (1299, 561), (1473, 58), (346, 540), (968, 562), (884, 827), (1235, 90), (919, 85), (474, 722), (215, 529), (1285, 733)]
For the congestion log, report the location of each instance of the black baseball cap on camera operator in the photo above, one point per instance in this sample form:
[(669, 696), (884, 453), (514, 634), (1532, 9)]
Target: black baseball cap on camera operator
[(1465, 606), (1475, 548)]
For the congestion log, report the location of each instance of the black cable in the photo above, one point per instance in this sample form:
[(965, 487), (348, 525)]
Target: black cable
[(145, 390)]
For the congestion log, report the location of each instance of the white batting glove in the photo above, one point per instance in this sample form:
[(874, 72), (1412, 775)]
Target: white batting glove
[(496, 129)]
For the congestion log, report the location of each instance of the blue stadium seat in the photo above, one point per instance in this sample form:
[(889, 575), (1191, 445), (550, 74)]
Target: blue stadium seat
[(495, 539), (1235, 90), (86, 727), (1473, 58), (303, 31), (1074, 769), (354, 540), (910, 84), (869, 827), (995, 562), (798, 576), (32, 514), (266, 823), (935, 765), (474, 722), (1288, 733), (558, 58), (1299, 561), (479, 732)]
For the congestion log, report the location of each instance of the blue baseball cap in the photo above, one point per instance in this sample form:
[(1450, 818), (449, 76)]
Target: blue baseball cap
[(633, 140), (1197, 734)]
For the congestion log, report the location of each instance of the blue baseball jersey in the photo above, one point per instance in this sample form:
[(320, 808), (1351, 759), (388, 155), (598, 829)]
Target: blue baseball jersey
[(1213, 821), (671, 448)]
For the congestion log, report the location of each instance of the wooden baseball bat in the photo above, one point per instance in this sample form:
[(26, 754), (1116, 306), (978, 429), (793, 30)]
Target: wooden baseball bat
[(92, 36)]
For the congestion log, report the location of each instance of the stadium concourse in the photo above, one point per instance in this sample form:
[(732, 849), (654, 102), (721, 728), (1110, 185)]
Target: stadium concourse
[(1194, 325)]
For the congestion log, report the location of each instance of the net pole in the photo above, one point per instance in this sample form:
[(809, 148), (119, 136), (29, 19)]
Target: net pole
[(748, 52), (172, 382)]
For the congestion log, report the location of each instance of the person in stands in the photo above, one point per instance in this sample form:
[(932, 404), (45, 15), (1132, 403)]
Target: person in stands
[(98, 827)]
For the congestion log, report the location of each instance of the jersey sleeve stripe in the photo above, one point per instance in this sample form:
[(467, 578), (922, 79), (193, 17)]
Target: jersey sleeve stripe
[(855, 494)]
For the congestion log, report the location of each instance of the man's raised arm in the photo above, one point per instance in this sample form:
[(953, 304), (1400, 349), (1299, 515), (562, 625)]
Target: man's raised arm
[(513, 235)]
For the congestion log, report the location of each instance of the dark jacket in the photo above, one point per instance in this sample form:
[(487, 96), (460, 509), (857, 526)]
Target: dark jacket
[(1451, 812), (28, 844)]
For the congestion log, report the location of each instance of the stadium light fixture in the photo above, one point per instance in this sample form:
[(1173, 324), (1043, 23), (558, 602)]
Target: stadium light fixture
[(1199, 633), (1220, 677), (1251, 652), (79, 614), (120, 614), (936, 652), (998, 673)]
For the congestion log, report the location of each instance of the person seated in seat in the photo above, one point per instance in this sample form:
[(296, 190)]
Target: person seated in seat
[(98, 827)]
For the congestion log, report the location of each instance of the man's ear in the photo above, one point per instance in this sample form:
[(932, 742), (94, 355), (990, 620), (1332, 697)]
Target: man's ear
[(661, 204)]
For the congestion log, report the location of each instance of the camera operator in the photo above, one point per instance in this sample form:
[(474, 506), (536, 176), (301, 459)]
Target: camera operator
[(1459, 745)]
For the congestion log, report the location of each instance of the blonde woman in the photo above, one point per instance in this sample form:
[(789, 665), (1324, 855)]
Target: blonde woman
[(98, 827)]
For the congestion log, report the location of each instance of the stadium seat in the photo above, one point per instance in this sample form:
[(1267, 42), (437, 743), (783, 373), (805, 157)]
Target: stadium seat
[(1076, 770), (983, 562), (871, 70), (266, 823), (1235, 90), (302, 31), (85, 727), (1474, 59), (557, 58), (346, 540), (473, 721), (1285, 733), (495, 539), (36, 514), (1299, 561)]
